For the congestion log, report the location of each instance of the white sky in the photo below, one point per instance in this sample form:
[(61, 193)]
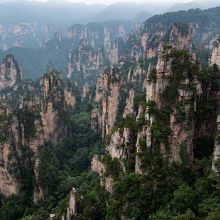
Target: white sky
[(117, 1)]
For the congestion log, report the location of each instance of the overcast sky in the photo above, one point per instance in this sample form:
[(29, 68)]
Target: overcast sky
[(117, 1)]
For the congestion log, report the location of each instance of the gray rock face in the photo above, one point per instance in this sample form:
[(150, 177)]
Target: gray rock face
[(10, 74), (215, 59), (26, 34), (216, 153), (71, 209), (96, 46), (34, 120), (106, 102)]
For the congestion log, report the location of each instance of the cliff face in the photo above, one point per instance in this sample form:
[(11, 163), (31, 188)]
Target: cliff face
[(169, 108), (27, 34), (167, 120), (147, 40), (110, 44), (97, 47), (10, 74), (181, 36), (106, 101), (58, 98), (71, 209), (143, 49), (215, 60), (40, 115)]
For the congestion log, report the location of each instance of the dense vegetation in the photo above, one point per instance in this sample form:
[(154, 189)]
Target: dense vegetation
[(167, 192), (61, 168)]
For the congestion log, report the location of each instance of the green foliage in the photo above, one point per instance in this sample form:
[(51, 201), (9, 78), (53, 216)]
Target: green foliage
[(27, 117), (203, 147), (163, 191), (184, 198), (3, 128), (130, 122), (181, 67), (152, 107), (184, 154), (183, 28), (48, 169), (153, 76), (217, 136), (160, 132), (113, 166), (12, 208), (167, 47), (27, 218)]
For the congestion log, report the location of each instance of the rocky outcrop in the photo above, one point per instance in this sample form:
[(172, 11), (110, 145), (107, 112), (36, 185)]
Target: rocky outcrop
[(129, 108), (113, 56), (26, 34), (99, 167), (58, 97), (97, 48), (215, 58), (181, 36), (10, 74), (178, 122), (118, 144), (216, 153), (115, 95), (164, 120), (39, 116), (106, 102), (19, 141), (71, 208)]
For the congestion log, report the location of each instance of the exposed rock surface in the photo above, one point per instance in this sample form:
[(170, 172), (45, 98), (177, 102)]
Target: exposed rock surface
[(106, 102), (181, 36), (215, 59), (71, 209), (178, 124), (216, 153), (129, 108), (29, 117), (10, 74), (97, 48), (26, 34), (99, 167)]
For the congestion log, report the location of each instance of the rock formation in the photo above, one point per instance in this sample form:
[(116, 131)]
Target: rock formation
[(106, 101), (39, 118), (10, 74), (215, 60), (71, 209)]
